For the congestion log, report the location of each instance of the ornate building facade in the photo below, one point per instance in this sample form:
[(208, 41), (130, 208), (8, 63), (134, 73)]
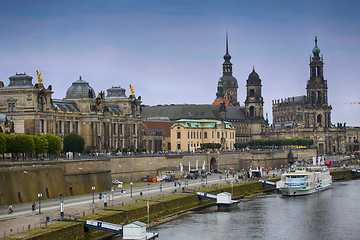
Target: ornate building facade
[(247, 120), (309, 116), (189, 134), (107, 122)]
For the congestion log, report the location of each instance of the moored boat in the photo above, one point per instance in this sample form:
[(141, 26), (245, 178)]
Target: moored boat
[(304, 181)]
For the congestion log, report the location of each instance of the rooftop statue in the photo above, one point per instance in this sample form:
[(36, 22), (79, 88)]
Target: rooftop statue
[(132, 90), (39, 77)]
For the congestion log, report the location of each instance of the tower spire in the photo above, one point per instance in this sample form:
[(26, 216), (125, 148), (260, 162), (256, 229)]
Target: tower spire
[(227, 42)]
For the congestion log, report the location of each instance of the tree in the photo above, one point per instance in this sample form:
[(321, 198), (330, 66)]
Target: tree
[(210, 146), (54, 143), (2, 143), (10, 144), (41, 144), (73, 142), (24, 144)]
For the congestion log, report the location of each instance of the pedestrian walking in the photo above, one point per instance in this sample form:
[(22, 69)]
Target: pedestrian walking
[(33, 206), (140, 194), (10, 209)]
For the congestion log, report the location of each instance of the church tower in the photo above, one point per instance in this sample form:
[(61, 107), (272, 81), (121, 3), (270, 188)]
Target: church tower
[(317, 112), (229, 82), (254, 101)]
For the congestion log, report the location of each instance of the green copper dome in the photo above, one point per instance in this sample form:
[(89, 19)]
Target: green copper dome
[(316, 50)]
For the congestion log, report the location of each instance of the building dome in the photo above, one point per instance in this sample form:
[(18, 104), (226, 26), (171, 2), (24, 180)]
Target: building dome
[(254, 78), (20, 80), (80, 89), (253, 75), (116, 92), (229, 81)]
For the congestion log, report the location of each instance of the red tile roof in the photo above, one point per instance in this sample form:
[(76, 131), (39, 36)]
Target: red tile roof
[(157, 127)]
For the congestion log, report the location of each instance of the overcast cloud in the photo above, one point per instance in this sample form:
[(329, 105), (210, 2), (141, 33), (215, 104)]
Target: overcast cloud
[(172, 51)]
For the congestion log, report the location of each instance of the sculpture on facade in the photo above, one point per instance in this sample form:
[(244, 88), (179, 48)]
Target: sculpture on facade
[(132, 90), (39, 77)]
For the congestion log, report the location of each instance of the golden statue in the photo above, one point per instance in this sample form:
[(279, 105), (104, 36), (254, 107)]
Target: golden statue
[(39, 77), (132, 90)]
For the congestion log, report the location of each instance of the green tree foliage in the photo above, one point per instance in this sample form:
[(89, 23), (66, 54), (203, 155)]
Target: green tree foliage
[(54, 143), (41, 144), (210, 146), (2, 143), (279, 142), (240, 145), (24, 143), (10, 143), (73, 142)]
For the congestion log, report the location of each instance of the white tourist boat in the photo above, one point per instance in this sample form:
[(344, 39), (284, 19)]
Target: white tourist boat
[(304, 181)]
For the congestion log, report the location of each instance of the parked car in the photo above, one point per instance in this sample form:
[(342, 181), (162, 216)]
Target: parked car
[(217, 171), (169, 178), (194, 174), (117, 182)]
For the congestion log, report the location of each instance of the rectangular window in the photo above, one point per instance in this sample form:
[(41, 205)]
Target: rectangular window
[(218, 134), (178, 135), (68, 126), (41, 126), (11, 107), (59, 127), (188, 135), (178, 146), (120, 129), (76, 127), (205, 134)]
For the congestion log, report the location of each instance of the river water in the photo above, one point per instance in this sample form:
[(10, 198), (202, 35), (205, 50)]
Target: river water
[(331, 214)]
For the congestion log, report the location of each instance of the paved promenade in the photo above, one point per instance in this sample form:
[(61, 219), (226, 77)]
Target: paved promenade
[(20, 223)]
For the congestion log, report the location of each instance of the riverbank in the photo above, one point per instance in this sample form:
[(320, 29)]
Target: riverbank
[(161, 210)]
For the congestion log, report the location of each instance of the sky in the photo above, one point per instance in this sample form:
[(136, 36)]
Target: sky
[(172, 51)]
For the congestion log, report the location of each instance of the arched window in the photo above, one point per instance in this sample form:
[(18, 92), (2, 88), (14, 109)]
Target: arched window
[(252, 111), (41, 103), (319, 119)]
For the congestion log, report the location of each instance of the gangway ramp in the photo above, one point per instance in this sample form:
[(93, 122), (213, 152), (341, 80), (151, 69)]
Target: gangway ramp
[(207, 195), (268, 183), (104, 226)]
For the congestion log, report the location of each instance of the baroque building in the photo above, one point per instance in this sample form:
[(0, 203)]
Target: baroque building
[(107, 122), (247, 120), (309, 116), (189, 134)]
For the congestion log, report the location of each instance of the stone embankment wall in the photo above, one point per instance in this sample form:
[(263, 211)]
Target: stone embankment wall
[(55, 177), (78, 176)]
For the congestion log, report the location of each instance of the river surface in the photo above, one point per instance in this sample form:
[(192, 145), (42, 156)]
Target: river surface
[(331, 214)]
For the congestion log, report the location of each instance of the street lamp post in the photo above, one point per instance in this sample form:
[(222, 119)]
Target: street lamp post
[(39, 194), (131, 180)]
